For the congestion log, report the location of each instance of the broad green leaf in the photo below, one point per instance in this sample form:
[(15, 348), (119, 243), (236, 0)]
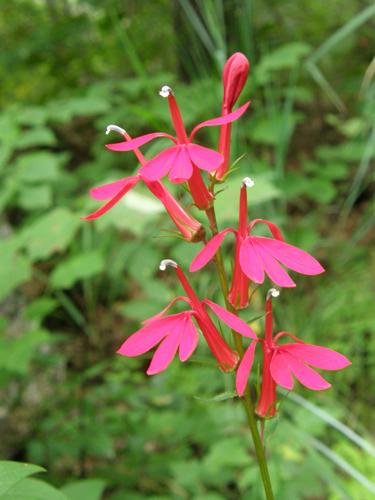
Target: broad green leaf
[(17, 353), (285, 57), (50, 234), (38, 166), (80, 267), (40, 308), (90, 489), (270, 129), (35, 197), (33, 489), (13, 472), (38, 136), (14, 270)]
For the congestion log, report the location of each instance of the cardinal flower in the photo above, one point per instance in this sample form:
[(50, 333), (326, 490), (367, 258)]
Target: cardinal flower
[(184, 158), (189, 227), (178, 332), (283, 362), (235, 73), (259, 255)]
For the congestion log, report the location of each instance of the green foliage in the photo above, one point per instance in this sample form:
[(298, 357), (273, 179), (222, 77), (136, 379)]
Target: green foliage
[(71, 290)]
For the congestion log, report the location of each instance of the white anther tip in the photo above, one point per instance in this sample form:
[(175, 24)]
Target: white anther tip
[(167, 263), (165, 91), (248, 182), (115, 128), (273, 292)]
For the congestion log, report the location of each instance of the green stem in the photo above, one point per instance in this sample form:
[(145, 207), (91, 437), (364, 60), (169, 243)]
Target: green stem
[(246, 399)]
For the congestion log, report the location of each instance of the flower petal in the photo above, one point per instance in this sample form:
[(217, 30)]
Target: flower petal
[(221, 120), (208, 251), (272, 268), (157, 316), (280, 371), (205, 158), (189, 339), (137, 142), (233, 321), (306, 375), (250, 261), (292, 257), (104, 209), (275, 231), (317, 356), (159, 166), (244, 369), (147, 337), (106, 191), (181, 167), (164, 354)]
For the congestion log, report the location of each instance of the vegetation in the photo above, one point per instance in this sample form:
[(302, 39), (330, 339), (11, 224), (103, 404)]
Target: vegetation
[(72, 291)]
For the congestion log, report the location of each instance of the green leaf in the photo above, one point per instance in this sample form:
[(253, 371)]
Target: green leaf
[(40, 308), (33, 489), (13, 472), (269, 129), (90, 489), (50, 234), (285, 57), (39, 136), (35, 197), (80, 267), (17, 353), (14, 270), (38, 166)]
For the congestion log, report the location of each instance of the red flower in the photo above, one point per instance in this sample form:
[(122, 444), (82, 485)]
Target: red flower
[(259, 255), (189, 227), (178, 331), (282, 362), (184, 158)]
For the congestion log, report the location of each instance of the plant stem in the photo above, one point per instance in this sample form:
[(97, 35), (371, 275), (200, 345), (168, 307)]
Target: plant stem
[(246, 399)]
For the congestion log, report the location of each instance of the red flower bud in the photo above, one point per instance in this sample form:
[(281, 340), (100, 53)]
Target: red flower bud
[(235, 74)]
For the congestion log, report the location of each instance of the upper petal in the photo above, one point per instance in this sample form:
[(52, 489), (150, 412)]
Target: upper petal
[(275, 231), (137, 142), (181, 168), (106, 191), (205, 158), (233, 321), (221, 120), (244, 368), (250, 261), (157, 316), (159, 166), (317, 356), (208, 251), (189, 339), (164, 354), (272, 268)]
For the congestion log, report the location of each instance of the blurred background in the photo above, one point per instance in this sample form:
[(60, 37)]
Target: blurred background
[(72, 291)]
